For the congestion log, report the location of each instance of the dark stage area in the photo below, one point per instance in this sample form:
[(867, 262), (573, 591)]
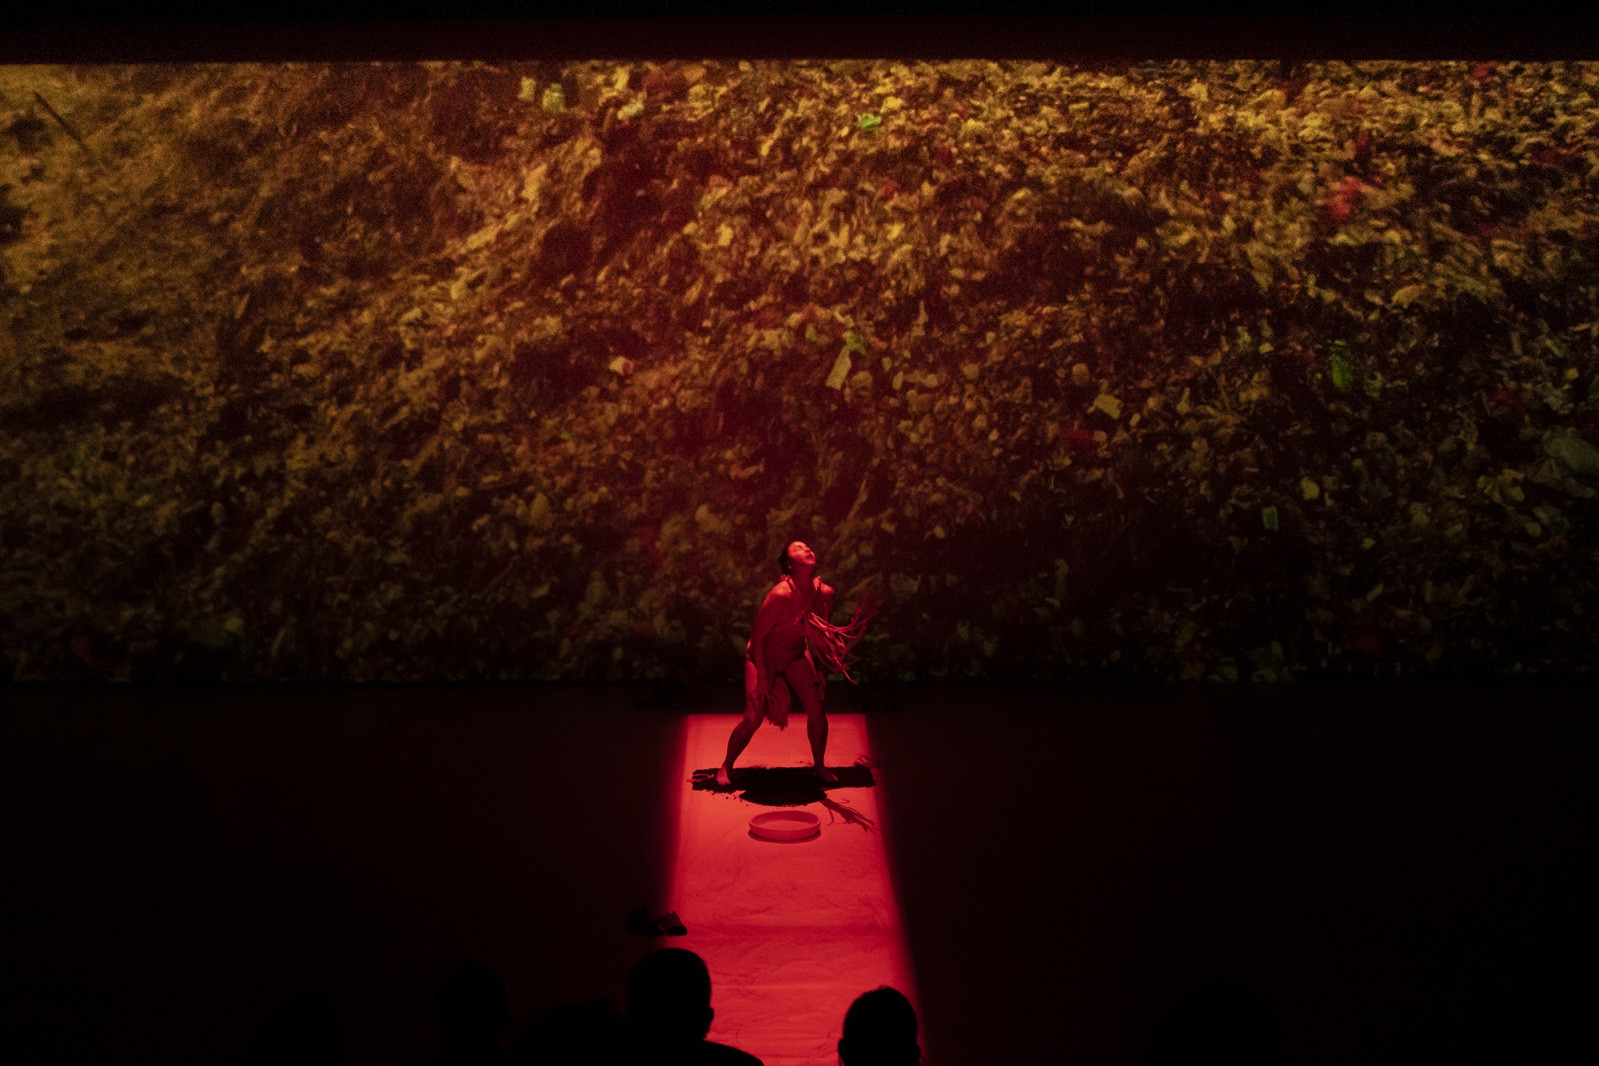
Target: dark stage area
[(1402, 873)]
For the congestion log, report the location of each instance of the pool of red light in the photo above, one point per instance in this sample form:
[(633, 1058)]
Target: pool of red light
[(791, 932)]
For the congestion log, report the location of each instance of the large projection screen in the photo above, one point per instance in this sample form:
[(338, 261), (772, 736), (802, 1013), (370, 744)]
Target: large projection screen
[(525, 369)]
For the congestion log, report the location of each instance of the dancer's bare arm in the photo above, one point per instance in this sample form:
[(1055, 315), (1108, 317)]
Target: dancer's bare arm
[(765, 618)]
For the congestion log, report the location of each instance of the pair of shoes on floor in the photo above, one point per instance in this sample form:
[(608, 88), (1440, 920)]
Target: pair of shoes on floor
[(668, 924)]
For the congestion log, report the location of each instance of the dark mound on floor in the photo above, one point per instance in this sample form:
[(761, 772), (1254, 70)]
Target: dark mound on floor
[(785, 786)]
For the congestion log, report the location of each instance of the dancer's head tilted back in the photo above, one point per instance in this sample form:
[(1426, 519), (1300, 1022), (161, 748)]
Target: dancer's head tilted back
[(880, 1030), (795, 553)]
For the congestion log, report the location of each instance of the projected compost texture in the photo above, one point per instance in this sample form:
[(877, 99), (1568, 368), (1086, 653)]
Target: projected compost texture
[(1175, 370)]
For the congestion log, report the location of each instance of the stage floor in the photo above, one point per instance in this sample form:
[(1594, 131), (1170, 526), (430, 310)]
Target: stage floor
[(791, 931), (1402, 874)]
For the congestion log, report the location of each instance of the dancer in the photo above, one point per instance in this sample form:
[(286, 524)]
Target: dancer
[(791, 646)]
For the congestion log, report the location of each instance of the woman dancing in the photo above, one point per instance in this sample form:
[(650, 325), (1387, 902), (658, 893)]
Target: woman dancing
[(789, 652)]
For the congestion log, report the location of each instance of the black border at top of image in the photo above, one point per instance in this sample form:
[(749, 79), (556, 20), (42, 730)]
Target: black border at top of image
[(81, 31)]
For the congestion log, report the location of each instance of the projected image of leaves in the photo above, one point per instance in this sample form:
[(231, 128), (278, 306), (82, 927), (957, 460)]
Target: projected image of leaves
[(525, 371)]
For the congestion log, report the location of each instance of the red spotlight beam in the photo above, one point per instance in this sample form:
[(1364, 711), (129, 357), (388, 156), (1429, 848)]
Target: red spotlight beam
[(791, 932)]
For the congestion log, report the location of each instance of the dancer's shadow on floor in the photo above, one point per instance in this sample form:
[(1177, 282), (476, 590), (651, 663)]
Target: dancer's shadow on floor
[(785, 786)]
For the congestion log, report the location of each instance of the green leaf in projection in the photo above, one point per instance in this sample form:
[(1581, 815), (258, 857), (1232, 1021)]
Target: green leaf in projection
[(840, 372), (1408, 295), (1340, 367), (1575, 453)]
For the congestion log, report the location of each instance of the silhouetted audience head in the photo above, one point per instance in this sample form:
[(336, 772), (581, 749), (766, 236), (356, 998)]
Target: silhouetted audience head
[(669, 1014), (302, 1032), (669, 996), (473, 1013), (880, 1030), (1218, 1022), (586, 1035)]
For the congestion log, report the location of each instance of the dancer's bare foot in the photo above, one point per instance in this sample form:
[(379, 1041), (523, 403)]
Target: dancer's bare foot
[(724, 779), (828, 777)]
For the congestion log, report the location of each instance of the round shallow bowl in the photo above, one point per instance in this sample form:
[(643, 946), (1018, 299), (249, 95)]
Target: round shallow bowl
[(785, 827)]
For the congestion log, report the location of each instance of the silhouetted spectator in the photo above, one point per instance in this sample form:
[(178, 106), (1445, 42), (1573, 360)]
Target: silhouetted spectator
[(473, 1013), (669, 1012), (302, 1032), (590, 1035), (880, 1030), (1217, 1022)]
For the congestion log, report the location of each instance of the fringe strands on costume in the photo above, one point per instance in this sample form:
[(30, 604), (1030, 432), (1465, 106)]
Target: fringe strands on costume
[(832, 645)]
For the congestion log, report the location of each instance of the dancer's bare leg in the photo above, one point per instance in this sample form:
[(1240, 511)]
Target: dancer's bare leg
[(754, 711), (802, 675), (735, 747)]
